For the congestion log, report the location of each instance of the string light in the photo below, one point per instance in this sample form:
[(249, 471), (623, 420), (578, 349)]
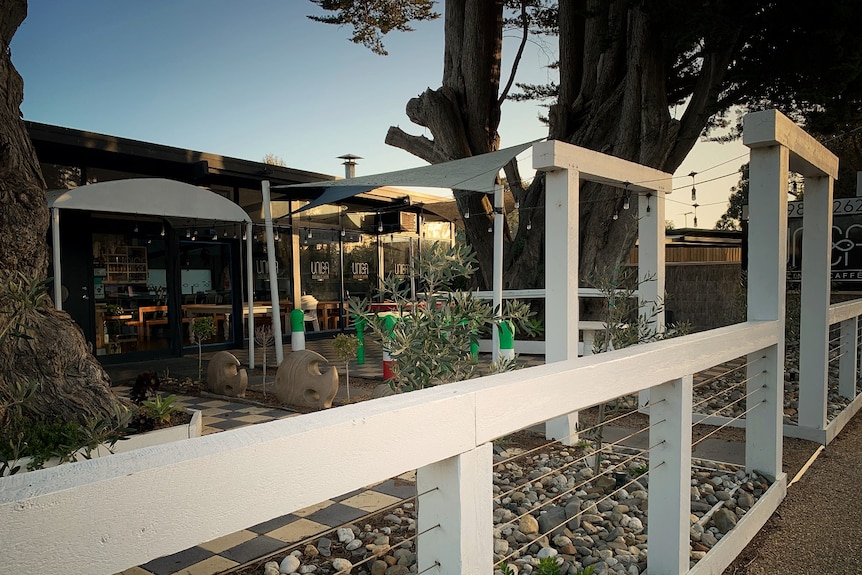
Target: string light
[(467, 215), (163, 230), (694, 205), (693, 190), (136, 227), (648, 196), (616, 215), (530, 224), (380, 227), (215, 234), (277, 237), (517, 204), (628, 194), (188, 233)]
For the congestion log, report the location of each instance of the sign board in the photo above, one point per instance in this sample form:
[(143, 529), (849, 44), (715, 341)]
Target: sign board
[(846, 259)]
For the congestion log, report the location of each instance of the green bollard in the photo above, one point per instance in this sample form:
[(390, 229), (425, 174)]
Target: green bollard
[(360, 335), (506, 332), (297, 330)]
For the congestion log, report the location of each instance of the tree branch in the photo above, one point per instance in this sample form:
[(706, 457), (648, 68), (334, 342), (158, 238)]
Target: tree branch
[(419, 146), (525, 24)]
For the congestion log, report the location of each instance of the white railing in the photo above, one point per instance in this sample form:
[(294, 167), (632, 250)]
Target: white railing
[(814, 423), (114, 513), (587, 328)]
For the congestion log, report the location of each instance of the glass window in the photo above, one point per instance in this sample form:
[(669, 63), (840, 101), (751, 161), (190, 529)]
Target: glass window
[(398, 253), (360, 265), (129, 293)]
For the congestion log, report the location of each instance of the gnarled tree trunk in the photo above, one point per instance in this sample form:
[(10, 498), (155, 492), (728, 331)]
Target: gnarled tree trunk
[(54, 353)]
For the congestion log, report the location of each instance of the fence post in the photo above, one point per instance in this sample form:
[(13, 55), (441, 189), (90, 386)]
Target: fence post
[(562, 190), (651, 265), (814, 308), (456, 514), (767, 276), (670, 476), (849, 356)]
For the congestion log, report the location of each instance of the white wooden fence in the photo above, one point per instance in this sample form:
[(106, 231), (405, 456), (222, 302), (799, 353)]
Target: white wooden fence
[(109, 514)]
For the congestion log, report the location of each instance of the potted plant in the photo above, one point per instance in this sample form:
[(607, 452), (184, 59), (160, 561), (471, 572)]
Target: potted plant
[(346, 346), (200, 330)]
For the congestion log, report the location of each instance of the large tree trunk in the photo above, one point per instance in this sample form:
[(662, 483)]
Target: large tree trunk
[(612, 98), (38, 345)]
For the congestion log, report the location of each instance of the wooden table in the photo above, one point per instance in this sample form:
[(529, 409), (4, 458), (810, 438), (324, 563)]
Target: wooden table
[(222, 312), (329, 313)]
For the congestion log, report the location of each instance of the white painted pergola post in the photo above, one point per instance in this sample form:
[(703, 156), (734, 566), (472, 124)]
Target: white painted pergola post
[(249, 288), (273, 273), (767, 276), (562, 188), (651, 263), (849, 356), (455, 523), (55, 248), (814, 312), (670, 476), (499, 222)]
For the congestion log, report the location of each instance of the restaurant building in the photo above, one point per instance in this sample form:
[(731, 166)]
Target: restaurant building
[(133, 280)]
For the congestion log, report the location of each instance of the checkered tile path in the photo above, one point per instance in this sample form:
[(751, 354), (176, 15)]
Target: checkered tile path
[(276, 534)]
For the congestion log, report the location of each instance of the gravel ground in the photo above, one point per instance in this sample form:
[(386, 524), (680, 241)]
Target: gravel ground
[(818, 527)]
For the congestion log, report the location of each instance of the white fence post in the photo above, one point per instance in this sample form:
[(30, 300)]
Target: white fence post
[(562, 190), (767, 272), (455, 514), (814, 312), (651, 264), (849, 347), (670, 476)]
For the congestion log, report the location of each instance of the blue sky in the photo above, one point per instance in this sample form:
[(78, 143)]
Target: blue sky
[(245, 79)]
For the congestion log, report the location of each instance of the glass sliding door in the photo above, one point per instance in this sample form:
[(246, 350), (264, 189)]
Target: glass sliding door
[(205, 287)]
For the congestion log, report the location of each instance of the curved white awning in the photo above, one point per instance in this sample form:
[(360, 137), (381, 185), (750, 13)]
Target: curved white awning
[(149, 196)]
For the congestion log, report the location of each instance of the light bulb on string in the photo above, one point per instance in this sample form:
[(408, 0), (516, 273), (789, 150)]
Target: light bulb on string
[(517, 204), (276, 237), (343, 233), (626, 198), (188, 233), (380, 227), (467, 215), (490, 229), (693, 190), (616, 215), (529, 224), (648, 196), (136, 227), (162, 233)]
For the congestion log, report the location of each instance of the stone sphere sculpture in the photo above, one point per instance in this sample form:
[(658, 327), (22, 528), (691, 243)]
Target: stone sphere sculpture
[(224, 376), (300, 382)]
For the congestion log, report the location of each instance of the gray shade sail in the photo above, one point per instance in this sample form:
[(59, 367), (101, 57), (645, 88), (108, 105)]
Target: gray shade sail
[(149, 196), (477, 174)]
